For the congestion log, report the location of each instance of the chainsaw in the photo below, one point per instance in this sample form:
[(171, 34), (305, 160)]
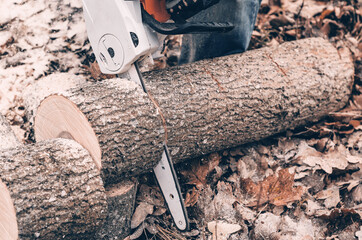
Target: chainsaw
[(121, 33)]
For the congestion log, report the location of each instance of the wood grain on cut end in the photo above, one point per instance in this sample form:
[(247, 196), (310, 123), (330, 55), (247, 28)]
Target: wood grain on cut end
[(8, 224), (56, 190), (58, 117)]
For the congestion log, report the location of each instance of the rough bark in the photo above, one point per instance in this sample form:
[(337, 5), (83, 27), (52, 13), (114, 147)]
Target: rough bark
[(124, 120), (216, 104), (7, 136), (120, 199), (56, 190), (212, 104)]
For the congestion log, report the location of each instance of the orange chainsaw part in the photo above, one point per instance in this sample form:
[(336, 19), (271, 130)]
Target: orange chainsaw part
[(157, 9)]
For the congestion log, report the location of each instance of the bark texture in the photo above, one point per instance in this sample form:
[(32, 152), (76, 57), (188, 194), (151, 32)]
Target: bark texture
[(213, 104), (56, 190), (120, 198), (7, 136), (127, 125), (221, 103)]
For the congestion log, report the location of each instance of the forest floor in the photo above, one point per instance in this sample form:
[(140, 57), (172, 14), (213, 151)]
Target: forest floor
[(302, 184)]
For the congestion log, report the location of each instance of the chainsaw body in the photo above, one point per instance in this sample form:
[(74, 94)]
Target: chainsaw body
[(123, 31), (117, 34)]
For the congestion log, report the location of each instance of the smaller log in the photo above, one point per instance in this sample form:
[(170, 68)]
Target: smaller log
[(50, 190), (103, 117), (7, 136), (121, 200)]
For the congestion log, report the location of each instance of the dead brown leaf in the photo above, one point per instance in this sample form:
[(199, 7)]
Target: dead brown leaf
[(337, 157), (150, 195), (327, 12), (281, 21), (277, 189), (198, 172), (357, 102), (140, 214), (330, 28), (192, 197), (330, 196)]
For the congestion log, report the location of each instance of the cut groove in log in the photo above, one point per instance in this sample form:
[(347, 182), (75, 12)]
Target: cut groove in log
[(59, 117), (55, 189), (210, 105), (8, 224)]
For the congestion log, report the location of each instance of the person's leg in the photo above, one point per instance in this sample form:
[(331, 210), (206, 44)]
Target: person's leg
[(242, 13)]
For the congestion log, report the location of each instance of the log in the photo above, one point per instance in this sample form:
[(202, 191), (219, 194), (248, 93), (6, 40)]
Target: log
[(104, 120), (207, 106), (50, 190), (225, 102), (121, 199)]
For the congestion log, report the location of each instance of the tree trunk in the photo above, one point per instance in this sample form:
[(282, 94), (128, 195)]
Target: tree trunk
[(207, 106), (221, 103), (52, 190), (7, 136)]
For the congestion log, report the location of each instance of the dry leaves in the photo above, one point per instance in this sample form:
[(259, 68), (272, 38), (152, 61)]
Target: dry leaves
[(277, 189), (270, 226), (198, 172), (337, 157), (192, 197), (330, 196), (140, 214), (196, 175), (150, 203), (221, 230)]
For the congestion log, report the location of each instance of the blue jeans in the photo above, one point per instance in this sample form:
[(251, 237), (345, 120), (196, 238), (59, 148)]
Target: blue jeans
[(242, 13)]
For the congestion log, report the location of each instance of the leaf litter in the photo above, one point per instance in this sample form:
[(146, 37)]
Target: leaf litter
[(276, 189), (304, 184)]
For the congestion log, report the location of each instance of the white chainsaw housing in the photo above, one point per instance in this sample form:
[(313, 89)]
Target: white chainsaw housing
[(117, 34)]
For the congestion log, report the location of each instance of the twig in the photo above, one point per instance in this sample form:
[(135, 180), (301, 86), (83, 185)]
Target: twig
[(297, 17)]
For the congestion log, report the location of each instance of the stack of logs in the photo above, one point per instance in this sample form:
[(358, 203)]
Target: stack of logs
[(92, 138)]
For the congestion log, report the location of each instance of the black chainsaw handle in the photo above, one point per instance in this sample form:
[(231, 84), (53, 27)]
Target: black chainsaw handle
[(185, 27), (184, 9)]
